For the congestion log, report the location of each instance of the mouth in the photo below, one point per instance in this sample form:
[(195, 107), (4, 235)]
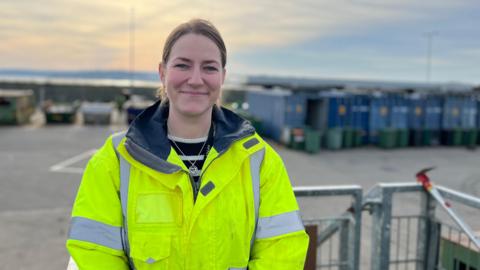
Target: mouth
[(194, 93)]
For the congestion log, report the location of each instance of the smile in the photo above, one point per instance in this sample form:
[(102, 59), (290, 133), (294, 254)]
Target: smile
[(193, 93)]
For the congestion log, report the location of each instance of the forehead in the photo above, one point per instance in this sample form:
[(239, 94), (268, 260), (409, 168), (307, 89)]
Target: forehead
[(195, 47)]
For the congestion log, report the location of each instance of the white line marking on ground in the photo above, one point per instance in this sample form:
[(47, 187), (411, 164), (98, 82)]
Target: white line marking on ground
[(72, 265), (39, 211), (71, 170), (63, 166)]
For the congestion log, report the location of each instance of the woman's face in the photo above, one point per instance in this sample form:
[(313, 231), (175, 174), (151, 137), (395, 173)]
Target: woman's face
[(193, 75)]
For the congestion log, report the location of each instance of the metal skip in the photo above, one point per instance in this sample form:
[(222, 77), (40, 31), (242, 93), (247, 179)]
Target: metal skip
[(432, 190)]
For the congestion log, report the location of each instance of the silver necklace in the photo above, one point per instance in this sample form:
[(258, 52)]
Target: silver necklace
[(193, 169)]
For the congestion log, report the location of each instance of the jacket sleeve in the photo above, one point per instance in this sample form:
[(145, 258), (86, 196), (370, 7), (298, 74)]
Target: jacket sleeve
[(95, 236), (280, 239)]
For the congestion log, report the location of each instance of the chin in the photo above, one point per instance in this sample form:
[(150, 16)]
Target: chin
[(195, 111)]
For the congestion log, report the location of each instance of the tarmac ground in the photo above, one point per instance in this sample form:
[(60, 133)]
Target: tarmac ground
[(41, 169)]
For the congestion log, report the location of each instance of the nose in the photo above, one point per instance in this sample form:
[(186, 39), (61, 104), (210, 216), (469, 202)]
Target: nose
[(195, 77)]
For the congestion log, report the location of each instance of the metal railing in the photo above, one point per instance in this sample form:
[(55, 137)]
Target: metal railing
[(427, 227), (401, 241), (342, 232)]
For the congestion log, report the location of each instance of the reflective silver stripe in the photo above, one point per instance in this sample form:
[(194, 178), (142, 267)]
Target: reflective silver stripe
[(279, 224), (250, 143), (117, 139), (255, 163), (92, 231), (124, 182), (234, 268), (207, 188), (124, 172)]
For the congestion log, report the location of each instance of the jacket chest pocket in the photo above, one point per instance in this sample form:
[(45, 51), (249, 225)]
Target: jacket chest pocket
[(150, 251), (159, 208)]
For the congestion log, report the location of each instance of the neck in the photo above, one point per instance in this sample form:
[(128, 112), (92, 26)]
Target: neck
[(188, 127)]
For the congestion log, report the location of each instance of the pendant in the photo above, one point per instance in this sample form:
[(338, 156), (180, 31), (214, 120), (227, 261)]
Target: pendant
[(194, 171)]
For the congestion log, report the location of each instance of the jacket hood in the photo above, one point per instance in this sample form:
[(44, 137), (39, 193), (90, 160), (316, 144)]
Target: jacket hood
[(147, 139)]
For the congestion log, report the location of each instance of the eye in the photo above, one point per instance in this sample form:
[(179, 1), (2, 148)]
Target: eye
[(210, 68), (181, 66)]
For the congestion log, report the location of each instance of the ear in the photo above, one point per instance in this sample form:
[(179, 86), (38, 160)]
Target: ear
[(161, 72), (224, 75)]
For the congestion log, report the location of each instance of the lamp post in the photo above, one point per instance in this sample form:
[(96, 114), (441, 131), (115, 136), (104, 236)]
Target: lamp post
[(131, 57), (429, 36)]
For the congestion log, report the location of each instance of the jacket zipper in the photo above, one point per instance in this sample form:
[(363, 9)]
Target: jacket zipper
[(193, 185)]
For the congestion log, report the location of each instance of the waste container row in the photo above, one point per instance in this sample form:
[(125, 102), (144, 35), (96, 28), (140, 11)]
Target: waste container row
[(389, 120)]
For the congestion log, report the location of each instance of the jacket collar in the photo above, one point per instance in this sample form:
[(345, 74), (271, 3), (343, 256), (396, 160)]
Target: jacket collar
[(147, 140)]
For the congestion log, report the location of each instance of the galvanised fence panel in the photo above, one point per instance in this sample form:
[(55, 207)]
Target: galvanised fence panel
[(424, 238)]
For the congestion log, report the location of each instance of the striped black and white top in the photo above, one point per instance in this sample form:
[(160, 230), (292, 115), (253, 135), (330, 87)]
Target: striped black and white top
[(189, 151)]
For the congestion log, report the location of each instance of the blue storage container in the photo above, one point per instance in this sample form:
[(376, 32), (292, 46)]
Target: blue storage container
[(295, 110), (360, 110), (393, 117), (451, 113), (344, 112), (399, 112), (379, 116), (468, 110), (433, 112), (348, 117), (478, 112), (277, 109), (335, 107), (316, 112), (416, 112), (447, 113), (355, 115), (336, 112), (325, 110)]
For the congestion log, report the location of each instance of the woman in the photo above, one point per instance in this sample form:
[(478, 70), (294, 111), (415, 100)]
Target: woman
[(190, 185)]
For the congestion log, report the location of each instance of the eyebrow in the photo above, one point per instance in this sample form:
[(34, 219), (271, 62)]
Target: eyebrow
[(204, 62), (183, 59), (211, 62)]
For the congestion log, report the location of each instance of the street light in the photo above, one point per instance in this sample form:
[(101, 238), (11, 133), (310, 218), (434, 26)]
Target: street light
[(131, 58), (429, 36)]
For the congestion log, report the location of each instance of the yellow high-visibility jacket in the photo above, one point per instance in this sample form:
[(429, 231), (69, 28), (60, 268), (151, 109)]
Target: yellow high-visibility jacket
[(135, 207)]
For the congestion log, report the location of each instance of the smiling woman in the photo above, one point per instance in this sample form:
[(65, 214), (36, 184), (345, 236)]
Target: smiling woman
[(190, 185), (192, 76)]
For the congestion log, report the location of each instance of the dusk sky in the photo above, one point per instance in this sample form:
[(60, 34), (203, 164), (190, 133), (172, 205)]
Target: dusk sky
[(354, 39)]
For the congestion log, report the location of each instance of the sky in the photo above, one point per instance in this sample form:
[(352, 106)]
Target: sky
[(350, 39)]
